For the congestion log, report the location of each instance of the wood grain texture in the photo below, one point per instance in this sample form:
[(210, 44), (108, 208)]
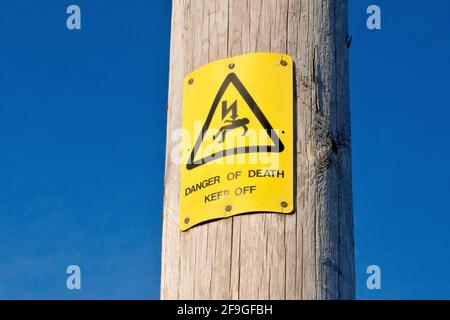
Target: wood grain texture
[(308, 255)]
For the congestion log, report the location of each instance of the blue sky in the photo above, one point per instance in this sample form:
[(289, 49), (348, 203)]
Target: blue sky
[(401, 130), (82, 138)]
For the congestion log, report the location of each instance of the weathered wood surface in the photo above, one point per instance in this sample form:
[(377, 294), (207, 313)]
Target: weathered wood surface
[(308, 255)]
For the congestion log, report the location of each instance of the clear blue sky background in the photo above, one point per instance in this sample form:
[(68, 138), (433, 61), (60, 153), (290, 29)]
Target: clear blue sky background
[(82, 138)]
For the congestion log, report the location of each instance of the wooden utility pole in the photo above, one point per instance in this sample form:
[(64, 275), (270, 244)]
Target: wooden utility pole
[(308, 255)]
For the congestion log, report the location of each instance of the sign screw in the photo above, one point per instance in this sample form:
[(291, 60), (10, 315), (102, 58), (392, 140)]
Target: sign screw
[(228, 208), (284, 204), (186, 220), (191, 81), (283, 63), (231, 66)]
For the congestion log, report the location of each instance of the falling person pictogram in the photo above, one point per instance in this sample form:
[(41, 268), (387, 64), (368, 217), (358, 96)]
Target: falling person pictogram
[(233, 124)]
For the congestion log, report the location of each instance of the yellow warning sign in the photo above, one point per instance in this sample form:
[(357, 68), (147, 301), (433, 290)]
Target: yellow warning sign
[(238, 139)]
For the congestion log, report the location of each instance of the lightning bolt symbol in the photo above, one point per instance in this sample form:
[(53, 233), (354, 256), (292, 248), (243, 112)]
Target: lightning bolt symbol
[(232, 109)]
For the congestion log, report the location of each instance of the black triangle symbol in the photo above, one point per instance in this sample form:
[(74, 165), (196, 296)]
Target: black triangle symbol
[(233, 79)]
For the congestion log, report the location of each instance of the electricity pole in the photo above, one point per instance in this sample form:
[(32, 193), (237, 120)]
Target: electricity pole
[(307, 255)]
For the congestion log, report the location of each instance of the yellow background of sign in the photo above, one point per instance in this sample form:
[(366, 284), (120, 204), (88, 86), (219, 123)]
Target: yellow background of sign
[(268, 79)]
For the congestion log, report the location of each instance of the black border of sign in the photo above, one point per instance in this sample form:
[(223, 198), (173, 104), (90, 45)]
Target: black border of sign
[(232, 78)]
